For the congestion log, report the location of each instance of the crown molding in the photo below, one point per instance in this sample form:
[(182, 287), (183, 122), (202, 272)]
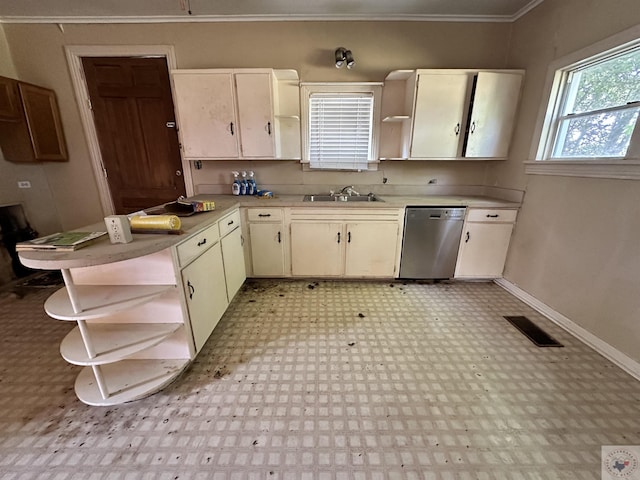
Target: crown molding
[(263, 18)]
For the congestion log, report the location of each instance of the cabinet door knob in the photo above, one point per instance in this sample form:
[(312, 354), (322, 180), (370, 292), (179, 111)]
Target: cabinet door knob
[(338, 237), (264, 214), (473, 127), (231, 127), (493, 216), (202, 242), (348, 237), (230, 223), (279, 238), (269, 128), (191, 288), (468, 237), (178, 173), (457, 129)]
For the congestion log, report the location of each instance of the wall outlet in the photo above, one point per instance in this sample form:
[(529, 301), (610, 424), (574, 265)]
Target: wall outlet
[(118, 228), (24, 184)]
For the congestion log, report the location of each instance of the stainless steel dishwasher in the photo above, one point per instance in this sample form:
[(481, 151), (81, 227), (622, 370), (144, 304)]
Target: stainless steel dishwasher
[(431, 241)]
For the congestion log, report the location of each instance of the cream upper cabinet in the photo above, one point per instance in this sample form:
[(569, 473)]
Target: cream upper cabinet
[(485, 241), (440, 109), (493, 114), (226, 114), (205, 107), (255, 114), (456, 114)]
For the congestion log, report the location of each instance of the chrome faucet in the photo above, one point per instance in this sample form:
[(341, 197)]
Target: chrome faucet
[(349, 190)]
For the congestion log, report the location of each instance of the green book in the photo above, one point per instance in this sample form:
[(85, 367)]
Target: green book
[(65, 241)]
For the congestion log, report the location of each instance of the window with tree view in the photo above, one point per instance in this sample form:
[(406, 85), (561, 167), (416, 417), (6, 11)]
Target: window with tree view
[(600, 103)]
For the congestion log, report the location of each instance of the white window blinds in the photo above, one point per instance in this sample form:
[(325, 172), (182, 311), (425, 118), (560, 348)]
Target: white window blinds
[(340, 130)]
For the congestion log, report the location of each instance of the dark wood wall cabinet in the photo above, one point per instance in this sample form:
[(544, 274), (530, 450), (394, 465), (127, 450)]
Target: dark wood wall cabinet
[(30, 126)]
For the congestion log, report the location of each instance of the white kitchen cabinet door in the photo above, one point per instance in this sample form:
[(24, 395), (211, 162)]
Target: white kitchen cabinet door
[(233, 258), (205, 293), (267, 249), (483, 250), (440, 108), (371, 249), (317, 249), (206, 114), (493, 114), (255, 114)]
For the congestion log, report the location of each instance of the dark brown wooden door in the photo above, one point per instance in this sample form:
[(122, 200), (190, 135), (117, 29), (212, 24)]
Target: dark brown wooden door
[(135, 122)]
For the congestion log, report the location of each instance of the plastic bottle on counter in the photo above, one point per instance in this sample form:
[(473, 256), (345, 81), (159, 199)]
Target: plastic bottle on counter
[(253, 187), (244, 184), (235, 186)]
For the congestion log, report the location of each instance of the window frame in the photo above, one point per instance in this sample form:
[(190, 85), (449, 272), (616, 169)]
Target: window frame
[(627, 167), (373, 88)]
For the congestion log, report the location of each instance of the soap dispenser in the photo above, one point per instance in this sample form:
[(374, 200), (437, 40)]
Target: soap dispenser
[(235, 187)]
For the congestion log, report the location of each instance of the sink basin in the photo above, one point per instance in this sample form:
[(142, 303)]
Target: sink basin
[(341, 198)]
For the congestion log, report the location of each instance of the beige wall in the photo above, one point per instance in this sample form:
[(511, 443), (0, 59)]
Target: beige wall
[(37, 201), (575, 246), (378, 47)]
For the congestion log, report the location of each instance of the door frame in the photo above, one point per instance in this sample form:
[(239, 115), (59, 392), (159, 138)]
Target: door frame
[(74, 55)]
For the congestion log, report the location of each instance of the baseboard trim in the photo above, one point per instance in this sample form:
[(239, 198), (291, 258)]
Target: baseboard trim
[(626, 363)]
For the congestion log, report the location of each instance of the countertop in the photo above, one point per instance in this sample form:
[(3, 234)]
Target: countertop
[(388, 201), (103, 252)]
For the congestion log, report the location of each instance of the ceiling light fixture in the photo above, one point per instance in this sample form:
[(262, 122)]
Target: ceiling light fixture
[(342, 56)]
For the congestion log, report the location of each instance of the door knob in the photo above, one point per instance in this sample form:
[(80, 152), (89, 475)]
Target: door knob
[(178, 173)]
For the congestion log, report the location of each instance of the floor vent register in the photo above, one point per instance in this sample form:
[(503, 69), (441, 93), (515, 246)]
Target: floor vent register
[(533, 332)]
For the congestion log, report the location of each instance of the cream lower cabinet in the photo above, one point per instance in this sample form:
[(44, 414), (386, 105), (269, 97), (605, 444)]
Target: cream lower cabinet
[(364, 244), (213, 272), (267, 241), (205, 293), (485, 241), (233, 259)]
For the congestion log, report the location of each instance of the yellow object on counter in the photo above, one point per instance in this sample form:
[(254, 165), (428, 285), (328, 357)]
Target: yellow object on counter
[(155, 222)]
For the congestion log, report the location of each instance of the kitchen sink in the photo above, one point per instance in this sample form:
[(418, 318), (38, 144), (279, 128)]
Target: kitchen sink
[(342, 198)]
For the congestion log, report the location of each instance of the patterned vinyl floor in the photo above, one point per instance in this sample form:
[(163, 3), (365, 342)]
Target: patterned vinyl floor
[(327, 380)]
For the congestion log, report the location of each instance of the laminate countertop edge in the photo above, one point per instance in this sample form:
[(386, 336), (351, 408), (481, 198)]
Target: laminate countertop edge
[(104, 252)]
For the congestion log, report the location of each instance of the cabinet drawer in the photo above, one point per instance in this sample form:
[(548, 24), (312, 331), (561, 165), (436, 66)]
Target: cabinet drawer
[(197, 244), (492, 215), (264, 214), (229, 223)]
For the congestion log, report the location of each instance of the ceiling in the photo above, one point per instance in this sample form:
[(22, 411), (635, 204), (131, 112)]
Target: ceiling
[(118, 11)]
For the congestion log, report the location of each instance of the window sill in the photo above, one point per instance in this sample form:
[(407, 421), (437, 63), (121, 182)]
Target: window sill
[(628, 169)]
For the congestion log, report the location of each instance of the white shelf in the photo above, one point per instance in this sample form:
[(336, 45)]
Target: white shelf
[(101, 300), (114, 342), (128, 380), (396, 118)]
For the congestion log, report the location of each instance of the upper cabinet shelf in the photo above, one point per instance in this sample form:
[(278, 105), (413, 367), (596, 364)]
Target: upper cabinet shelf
[(30, 125), (449, 114)]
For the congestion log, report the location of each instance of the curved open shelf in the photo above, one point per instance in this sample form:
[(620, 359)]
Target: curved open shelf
[(128, 380), (114, 342), (101, 300)]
